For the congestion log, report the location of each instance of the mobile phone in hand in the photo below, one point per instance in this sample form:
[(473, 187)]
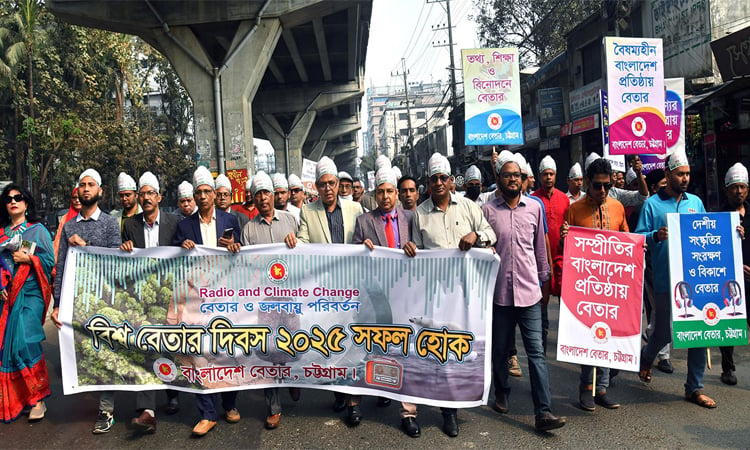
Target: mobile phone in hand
[(227, 234)]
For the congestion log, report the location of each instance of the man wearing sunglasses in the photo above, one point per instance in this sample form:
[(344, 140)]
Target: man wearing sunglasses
[(595, 210), (446, 220), (296, 192)]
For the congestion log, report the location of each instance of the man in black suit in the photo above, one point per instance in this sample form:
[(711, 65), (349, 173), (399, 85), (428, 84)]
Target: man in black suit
[(386, 226), (150, 228), (206, 227)]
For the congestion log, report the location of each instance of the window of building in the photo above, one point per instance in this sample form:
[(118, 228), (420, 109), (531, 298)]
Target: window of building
[(404, 131), (403, 116), (591, 62), (420, 115)]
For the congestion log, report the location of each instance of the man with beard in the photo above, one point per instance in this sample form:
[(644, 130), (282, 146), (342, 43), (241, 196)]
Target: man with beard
[(270, 226), (206, 227), (652, 223), (434, 227), (185, 200), (281, 196), (518, 222), (473, 180), (127, 196), (596, 210), (296, 192), (408, 193), (575, 183), (146, 230), (92, 227), (736, 185), (224, 199)]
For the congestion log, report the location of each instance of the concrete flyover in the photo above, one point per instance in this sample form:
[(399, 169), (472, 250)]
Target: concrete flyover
[(290, 71)]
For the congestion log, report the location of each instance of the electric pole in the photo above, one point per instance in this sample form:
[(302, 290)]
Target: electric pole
[(450, 45), (404, 73)]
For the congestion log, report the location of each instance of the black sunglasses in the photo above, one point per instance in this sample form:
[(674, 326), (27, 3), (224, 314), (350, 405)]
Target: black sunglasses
[(598, 186), (18, 198), (443, 178)]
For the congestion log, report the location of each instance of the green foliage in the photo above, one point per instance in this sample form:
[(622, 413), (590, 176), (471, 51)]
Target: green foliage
[(536, 27), (73, 97), (141, 304)]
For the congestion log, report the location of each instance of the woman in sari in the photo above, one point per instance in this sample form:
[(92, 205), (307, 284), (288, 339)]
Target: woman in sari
[(27, 259)]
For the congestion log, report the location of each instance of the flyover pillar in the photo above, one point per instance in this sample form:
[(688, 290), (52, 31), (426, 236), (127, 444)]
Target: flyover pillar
[(228, 89), (287, 144)]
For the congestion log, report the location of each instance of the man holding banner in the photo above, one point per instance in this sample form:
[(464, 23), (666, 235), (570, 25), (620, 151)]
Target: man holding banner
[(596, 210), (446, 220), (736, 185), (517, 219), (652, 223)]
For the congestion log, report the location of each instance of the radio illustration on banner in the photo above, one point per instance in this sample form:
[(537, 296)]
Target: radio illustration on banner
[(384, 372), (735, 296)]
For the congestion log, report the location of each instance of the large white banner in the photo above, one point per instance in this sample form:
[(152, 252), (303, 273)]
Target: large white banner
[(335, 317)]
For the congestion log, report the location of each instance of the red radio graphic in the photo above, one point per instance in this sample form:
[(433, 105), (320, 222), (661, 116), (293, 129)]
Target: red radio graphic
[(384, 372)]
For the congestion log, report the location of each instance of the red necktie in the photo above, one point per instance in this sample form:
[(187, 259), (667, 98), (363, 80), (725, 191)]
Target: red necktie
[(389, 232)]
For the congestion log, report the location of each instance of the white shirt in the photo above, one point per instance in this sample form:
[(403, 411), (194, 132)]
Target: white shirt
[(581, 194), (151, 233), (208, 231), (93, 217)]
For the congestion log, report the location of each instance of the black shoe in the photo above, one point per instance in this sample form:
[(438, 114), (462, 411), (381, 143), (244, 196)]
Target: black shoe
[(603, 400), (728, 378), (501, 404), (173, 406), (383, 402), (613, 373), (450, 425), (339, 404), (586, 400), (665, 366), (548, 421), (410, 427), (355, 416)]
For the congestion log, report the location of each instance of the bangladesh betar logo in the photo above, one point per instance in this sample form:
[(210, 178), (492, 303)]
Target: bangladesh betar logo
[(277, 271)]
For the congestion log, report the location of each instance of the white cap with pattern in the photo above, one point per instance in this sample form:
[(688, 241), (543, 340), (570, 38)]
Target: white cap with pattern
[(294, 181), (261, 182), (438, 164), (94, 175), (222, 181), (325, 166), (736, 174), (575, 171), (202, 176), (593, 156), (677, 159), (184, 190), (473, 173), (503, 158), (520, 160), (148, 179), (125, 182), (345, 176), (279, 181), (381, 162), (397, 172), (547, 163), (385, 175)]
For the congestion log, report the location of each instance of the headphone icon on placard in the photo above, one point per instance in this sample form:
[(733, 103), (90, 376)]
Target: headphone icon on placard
[(683, 298), (735, 296)]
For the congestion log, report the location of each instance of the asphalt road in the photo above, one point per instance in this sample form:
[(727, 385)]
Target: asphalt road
[(652, 416)]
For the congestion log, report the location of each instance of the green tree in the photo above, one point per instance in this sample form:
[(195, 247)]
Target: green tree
[(536, 27)]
